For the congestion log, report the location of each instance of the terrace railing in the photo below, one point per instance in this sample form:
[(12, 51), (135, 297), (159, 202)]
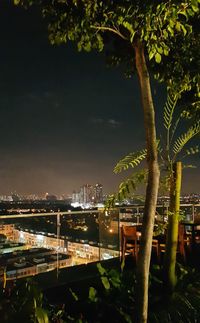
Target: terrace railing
[(51, 242)]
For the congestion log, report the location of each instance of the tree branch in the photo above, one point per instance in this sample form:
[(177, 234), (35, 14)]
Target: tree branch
[(115, 31)]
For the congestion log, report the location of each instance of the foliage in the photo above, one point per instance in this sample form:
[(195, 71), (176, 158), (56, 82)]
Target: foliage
[(184, 138), (131, 160), (183, 305), (169, 150), (169, 110), (168, 30), (160, 229), (115, 298), (25, 304), (127, 188), (151, 29)]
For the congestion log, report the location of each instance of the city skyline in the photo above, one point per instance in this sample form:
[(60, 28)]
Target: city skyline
[(66, 119)]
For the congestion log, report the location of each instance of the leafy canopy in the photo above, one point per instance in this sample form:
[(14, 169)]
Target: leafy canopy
[(167, 29)]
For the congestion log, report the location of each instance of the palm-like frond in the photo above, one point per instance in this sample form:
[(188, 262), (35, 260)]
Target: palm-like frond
[(189, 166), (130, 184), (131, 160), (175, 126), (110, 201), (169, 110), (184, 138), (191, 151), (127, 187)]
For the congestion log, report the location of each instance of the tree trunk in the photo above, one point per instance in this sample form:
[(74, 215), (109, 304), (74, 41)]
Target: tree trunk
[(172, 232), (152, 186)]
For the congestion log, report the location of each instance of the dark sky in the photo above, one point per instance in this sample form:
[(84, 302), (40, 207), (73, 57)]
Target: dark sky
[(65, 118)]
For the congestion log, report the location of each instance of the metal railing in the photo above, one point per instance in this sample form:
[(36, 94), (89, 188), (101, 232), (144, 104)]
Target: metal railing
[(70, 237)]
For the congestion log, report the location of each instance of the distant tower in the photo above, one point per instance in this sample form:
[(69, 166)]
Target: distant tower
[(98, 193), (86, 194), (75, 197)]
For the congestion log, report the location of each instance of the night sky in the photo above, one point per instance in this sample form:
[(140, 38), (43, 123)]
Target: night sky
[(65, 118)]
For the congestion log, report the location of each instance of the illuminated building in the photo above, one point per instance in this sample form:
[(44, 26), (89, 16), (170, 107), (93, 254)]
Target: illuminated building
[(75, 197), (86, 194), (98, 193)]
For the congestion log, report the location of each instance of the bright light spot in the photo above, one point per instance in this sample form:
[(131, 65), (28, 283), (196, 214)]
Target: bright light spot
[(106, 256), (40, 237), (111, 230)]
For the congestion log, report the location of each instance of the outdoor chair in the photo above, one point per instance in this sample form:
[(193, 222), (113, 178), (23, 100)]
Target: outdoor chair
[(129, 241), (156, 247)]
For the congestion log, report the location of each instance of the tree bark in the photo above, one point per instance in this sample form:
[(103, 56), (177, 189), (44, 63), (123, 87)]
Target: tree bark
[(152, 185), (172, 230)]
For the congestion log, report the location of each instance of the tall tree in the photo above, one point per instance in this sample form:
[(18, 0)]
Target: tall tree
[(146, 33), (173, 148)]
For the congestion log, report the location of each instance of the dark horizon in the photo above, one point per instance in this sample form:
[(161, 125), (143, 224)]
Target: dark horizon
[(66, 119)]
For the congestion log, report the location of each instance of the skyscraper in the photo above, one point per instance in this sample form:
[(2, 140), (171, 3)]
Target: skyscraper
[(87, 194), (98, 193)]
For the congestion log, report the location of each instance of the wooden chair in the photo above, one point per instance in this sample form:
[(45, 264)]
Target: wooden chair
[(129, 241), (156, 247)]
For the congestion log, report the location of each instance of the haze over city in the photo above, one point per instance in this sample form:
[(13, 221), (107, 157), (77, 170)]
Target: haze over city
[(66, 118)]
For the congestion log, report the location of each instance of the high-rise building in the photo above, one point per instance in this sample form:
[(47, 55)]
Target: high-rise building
[(86, 194), (75, 197), (98, 193)]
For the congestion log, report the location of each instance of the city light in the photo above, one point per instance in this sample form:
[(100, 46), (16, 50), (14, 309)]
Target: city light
[(40, 238)]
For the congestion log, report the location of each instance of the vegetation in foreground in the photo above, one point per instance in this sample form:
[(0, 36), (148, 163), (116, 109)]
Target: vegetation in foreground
[(113, 299)]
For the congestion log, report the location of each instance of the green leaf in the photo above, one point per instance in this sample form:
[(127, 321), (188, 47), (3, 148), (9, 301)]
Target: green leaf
[(131, 160), (160, 50), (130, 184), (122, 264), (184, 138), (158, 58), (105, 282), (114, 276), (41, 315), (128, 26), (126, 317), (169, 110), (165, 33), (110, 202), (183, 29), (101, 270), (192, 150), (189, 166), (166, 51), (151, 54), (73, 294), (92, 294)]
